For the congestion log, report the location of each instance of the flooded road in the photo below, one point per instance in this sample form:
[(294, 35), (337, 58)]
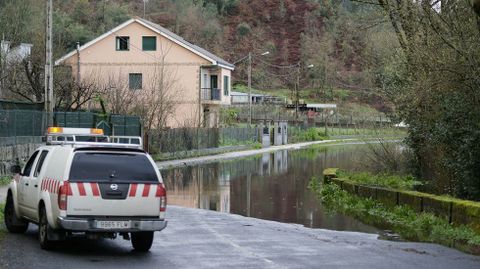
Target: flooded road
[(271, 186)]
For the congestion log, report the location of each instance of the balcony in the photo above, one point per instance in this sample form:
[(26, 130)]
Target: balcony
[(211, 94)]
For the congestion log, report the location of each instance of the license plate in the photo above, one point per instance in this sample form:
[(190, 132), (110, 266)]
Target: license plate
[(113, 224)]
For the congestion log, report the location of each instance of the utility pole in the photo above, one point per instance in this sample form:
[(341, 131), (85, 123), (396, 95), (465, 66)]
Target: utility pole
[(78, 64), (249, 59), (297, 85), (48, 98), (249, 89)]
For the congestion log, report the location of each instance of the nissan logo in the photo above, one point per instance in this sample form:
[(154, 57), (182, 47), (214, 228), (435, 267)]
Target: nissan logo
[(114, 187)]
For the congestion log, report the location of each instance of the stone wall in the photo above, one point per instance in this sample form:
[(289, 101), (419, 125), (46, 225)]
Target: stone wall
[(10, 152)]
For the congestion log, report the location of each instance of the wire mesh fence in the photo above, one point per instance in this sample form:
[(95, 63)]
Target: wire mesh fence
[(326, 117), (180, 140), (231, 136)]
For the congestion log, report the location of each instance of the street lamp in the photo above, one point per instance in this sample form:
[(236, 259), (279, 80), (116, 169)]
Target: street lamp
[(249, 57)]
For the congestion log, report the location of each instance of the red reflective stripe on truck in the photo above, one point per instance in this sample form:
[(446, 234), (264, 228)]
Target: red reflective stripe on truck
[(146, 190), (95, 190), (81, 189), (69, 188), (133, 190)]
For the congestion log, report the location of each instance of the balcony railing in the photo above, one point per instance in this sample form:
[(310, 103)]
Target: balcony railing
[(210, 94)]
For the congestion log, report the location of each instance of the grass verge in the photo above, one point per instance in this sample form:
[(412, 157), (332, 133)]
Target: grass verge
[(193, 154), (5, 180), (410, 225), (380, 180), (2, 229)]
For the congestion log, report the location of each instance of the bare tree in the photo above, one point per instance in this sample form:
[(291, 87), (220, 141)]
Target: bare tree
[(71, 95), (156, 103), (21, 79), (120, 99)]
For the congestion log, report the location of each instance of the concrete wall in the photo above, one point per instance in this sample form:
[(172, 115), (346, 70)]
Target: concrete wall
[(456, 211)]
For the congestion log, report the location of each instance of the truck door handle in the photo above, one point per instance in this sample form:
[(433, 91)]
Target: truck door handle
[(26, 184)]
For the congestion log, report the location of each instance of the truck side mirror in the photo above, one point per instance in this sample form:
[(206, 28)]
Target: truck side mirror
[(15, 169)]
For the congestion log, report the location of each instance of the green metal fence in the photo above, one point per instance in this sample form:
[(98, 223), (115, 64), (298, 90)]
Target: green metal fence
[(21, 123), (25, 123), (125, 125)]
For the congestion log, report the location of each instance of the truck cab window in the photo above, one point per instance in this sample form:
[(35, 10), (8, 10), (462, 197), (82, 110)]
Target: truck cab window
[(28, 166), (40, 162)]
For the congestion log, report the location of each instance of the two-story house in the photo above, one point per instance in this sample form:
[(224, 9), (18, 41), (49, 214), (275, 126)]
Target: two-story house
[(140, 53)]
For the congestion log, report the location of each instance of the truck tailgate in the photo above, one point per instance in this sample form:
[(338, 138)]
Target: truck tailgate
[(110, 199)]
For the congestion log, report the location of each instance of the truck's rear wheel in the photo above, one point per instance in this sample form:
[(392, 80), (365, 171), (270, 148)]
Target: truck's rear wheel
[(43, 230), (13, 224), (142, 241)]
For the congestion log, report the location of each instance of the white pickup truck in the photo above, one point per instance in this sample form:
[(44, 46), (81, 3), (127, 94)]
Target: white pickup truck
[(84, 184)]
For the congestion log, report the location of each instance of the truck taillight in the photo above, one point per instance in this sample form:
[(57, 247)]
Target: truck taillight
[(63, 193), (162, 193)]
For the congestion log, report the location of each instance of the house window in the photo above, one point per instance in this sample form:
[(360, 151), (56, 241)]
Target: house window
[(135, 81), (226, 84), (149, 43), (205, 80), (122, 43)]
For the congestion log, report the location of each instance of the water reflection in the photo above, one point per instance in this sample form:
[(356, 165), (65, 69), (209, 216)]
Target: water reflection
[(271, 186)]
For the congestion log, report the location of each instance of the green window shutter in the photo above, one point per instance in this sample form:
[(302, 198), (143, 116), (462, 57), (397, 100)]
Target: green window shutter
[(149, 43), (135, 81), (226, 84)]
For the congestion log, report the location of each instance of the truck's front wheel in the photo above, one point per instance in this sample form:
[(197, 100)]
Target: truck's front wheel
[(13, 224), (43, 230), (142, 241)]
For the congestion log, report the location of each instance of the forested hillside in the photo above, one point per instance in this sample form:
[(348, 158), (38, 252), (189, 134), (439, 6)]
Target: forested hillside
[(339, 38)]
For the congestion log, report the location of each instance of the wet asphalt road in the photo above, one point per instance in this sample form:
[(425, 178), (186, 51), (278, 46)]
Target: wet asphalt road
[(198, 238)]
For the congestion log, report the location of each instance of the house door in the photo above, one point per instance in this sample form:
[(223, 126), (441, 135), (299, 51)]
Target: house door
[(214, 87), (214, 82)]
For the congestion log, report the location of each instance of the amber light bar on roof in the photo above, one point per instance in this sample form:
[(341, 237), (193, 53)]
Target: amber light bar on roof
[(74, 131)]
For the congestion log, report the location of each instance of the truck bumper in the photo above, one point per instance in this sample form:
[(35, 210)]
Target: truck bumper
[(91, 224)]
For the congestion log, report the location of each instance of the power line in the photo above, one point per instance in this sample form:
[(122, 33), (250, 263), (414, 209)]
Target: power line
[(278, 66)]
